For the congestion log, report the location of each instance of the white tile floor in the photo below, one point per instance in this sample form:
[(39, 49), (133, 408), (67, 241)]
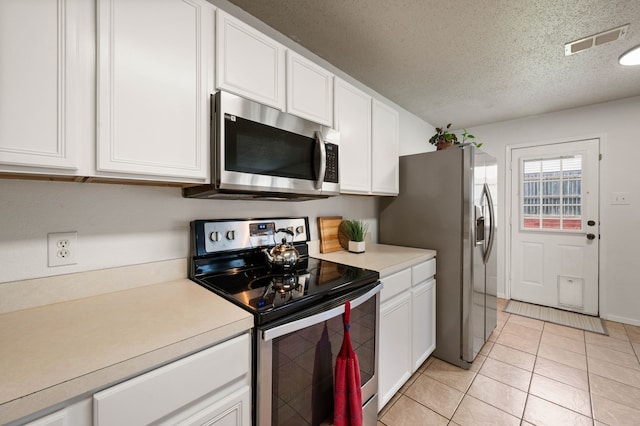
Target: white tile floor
[(530, 372)]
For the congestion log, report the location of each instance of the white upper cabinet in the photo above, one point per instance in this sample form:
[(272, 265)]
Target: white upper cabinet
[(38, 91), (154, 76), (353, 121), (248, 63), (385, 147), (309, 90)]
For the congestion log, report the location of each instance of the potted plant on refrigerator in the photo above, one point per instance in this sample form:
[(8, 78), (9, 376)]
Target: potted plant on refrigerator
[(443, 138), (356, 231)]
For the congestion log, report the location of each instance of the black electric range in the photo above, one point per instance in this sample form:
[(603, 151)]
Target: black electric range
[(228, 259)]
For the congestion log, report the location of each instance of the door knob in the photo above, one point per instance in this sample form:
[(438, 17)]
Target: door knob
[(591, 222), (591, 237)]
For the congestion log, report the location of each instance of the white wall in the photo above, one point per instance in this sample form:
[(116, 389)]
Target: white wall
[(618, 126), (414, 134), (122, 225)]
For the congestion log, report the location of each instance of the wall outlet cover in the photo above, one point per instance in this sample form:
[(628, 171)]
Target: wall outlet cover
[(62, 248), (621, 198)]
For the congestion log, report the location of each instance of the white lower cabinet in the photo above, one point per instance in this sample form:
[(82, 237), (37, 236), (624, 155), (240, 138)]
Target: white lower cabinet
[(59, 418), (407, 326), (423, 307), (395, 347), (232, 410), (78, 414), (210, 387)]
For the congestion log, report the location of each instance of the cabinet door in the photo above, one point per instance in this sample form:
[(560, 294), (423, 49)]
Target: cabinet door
[(169, 389), (77, 414), (233, 410), (385, 148), (37, 83), (423, 310), (59, 418), (309, 90), (395, 347), (353, 121), (248, 63), (154, 61)]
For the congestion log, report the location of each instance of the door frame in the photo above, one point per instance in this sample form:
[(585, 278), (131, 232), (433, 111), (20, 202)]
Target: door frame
[(508, 202)]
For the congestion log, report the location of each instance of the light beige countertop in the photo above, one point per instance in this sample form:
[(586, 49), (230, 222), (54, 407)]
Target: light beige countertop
[(66, 350), (385, 259)]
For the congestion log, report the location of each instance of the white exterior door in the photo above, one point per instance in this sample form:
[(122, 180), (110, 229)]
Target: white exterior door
[(555, 225)]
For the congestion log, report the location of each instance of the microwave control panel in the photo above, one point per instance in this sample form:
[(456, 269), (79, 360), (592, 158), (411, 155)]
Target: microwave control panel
[(331, 173)]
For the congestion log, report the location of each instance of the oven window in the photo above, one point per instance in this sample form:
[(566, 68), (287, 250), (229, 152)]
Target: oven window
[(304, 362), (256, 148)]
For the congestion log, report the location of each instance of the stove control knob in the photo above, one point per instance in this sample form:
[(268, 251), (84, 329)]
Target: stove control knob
[(231, 235), (300, 229), (214, 236)]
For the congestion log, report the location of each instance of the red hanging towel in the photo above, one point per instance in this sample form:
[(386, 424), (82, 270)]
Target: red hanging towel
[(347, 396)]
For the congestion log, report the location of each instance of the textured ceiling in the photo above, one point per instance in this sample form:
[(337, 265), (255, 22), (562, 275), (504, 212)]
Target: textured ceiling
[(463, 61)]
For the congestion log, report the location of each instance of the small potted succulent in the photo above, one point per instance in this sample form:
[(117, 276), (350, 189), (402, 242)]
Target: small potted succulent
[(356, 231), (443, 138)]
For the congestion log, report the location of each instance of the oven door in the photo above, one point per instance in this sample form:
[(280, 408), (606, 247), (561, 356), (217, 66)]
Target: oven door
[(296, 362), (258, 148)]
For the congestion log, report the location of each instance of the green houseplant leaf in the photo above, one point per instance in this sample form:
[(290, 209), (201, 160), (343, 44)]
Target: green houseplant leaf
[(356, 229), (444, 136)]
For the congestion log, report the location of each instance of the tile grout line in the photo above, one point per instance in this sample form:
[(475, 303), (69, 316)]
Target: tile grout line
[(535, 362), (537, 357), (593, 407)]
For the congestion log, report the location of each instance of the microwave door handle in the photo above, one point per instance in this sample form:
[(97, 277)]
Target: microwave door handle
[(321, 151)]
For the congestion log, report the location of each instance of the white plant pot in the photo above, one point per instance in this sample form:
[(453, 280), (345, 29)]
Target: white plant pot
[(356, 246)]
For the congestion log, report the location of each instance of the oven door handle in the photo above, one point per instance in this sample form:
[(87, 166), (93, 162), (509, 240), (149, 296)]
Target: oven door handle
[(293, 326)]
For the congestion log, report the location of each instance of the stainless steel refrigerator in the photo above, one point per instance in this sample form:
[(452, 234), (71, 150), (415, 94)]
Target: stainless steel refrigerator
[(447, 202)]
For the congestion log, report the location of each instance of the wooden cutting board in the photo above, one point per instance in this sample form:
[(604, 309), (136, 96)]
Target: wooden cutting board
[(328, 227), (343, 237)]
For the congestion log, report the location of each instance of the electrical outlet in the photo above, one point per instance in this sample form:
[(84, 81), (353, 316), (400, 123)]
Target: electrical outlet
[(62, 248), (620, 198)]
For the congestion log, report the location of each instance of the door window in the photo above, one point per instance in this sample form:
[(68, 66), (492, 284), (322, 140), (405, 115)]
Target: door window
[(552, 194)]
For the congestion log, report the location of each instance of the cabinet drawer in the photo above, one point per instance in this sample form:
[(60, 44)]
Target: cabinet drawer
[(423, 271), (157, 393), (395, 284)]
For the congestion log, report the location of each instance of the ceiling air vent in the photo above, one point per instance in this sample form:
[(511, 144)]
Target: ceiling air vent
[(595, 40)]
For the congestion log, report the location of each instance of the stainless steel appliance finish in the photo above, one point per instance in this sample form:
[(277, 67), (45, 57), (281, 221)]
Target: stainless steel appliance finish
[(447, 202), (260, 152), (297, 311)]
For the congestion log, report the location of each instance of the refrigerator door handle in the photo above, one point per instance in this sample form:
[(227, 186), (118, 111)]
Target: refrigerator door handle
[(479, 226), (492, 223)]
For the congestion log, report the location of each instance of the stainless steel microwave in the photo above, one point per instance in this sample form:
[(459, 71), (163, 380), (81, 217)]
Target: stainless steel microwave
[(261, 152)]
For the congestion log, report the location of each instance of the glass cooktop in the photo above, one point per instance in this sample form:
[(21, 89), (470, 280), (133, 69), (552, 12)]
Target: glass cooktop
[(271, 293)]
